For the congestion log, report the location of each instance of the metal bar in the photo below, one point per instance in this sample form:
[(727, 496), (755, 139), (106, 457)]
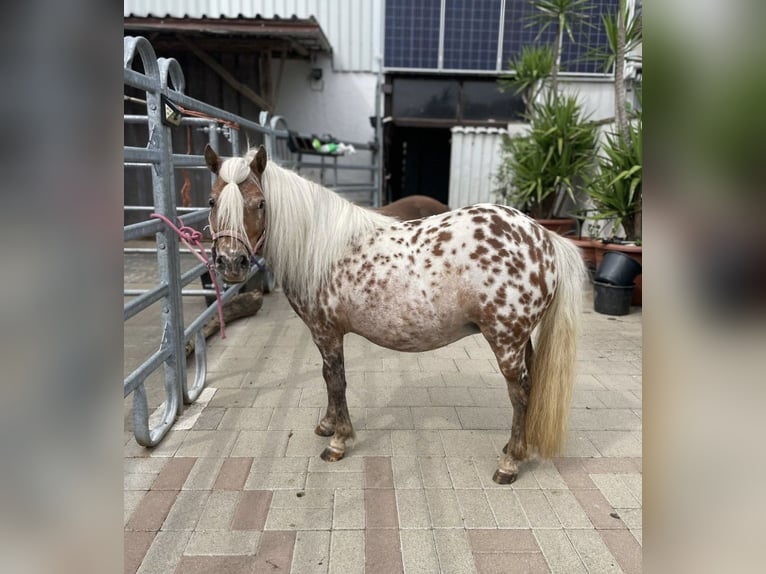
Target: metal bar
[(349, 167), (500, 37), (145, 228), (185, 292), (207, 314), (145, 299), (140, 81), (351, 187), (140, 154), (151, 208), (442, 18), (140, 250), (200, 364), (158, 155), (138, 376)]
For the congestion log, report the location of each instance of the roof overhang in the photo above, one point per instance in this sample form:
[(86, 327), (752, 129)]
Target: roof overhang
[(298, 37)]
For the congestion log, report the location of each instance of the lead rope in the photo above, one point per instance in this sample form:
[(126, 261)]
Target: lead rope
[(192, 239)]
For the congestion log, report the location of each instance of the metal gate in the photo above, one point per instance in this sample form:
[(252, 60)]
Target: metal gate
[(161, 85)]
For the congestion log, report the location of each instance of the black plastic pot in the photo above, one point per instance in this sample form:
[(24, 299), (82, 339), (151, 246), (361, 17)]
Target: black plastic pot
[(618, 269), (612, 299)]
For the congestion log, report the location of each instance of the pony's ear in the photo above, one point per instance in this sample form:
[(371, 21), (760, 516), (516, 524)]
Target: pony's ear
[(258, 165), (212, 160)]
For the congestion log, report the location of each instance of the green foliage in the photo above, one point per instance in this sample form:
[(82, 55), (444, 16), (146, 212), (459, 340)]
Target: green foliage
[(633, 36), (552, 159), (564, 13), (562, 16), (530, 70), (616, 189)]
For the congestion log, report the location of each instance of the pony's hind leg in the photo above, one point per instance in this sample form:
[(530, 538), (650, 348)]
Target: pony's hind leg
[(514, 364), (336, 422)]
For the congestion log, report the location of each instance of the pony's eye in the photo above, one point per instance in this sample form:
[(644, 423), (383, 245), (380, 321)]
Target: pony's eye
[(211, 201), (262, 204)]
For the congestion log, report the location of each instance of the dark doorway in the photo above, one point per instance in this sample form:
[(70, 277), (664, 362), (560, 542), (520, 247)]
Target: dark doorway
[(419, 162)]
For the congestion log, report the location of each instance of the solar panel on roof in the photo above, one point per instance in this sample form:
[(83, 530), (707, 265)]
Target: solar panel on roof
[(412, 33), (472, 32)]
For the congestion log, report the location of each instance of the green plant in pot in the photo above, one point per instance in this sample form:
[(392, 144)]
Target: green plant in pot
[(616, 189), (531, 69), (551, 160), (616, 194)]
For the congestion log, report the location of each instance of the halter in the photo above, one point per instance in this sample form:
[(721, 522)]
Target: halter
[(243, 240), (193, 240)]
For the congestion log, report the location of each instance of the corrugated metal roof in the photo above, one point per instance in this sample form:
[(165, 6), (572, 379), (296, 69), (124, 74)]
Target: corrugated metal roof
[(354, 28), (303, 36)]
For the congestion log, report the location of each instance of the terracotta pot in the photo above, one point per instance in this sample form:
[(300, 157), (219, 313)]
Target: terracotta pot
[(634, 251), (561, 225), (588, 249)]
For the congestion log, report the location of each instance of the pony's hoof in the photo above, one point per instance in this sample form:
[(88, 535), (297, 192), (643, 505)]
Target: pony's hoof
[(331, 455), (321, 431), (503, 477)]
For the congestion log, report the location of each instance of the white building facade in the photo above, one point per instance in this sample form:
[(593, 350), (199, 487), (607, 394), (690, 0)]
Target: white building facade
[(431, 67)]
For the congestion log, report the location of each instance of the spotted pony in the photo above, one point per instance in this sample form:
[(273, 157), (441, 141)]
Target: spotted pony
[(410, 286)]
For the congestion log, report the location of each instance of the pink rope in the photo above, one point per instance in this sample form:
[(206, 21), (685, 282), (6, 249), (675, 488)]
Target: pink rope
[(192, 239)]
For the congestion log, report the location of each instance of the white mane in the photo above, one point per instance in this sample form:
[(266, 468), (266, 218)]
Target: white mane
[(230, 202), (309, 228)]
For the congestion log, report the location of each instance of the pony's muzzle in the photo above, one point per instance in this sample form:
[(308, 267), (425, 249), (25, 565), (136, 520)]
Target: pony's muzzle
[(233, 266)]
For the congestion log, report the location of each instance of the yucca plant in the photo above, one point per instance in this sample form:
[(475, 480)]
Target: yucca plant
[(552, 159), (616, 189), (563, 16), (531, 67), (624, 33)]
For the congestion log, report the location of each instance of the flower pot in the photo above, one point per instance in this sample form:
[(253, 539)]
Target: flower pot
[(560, 225), (588, 250), (612, 299), (634, 251), (617, 268)]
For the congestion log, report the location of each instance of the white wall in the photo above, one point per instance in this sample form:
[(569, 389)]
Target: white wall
[(596, 96), (340, 104)]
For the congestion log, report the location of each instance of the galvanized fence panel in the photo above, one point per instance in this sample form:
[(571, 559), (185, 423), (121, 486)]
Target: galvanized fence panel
[(162, 81)]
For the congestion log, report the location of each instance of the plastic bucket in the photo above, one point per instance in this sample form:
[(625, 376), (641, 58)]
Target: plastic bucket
[(612, 299), (618, 269)]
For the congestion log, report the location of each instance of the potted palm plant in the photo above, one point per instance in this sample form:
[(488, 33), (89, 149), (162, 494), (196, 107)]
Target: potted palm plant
[(549, 162), (616, 190), (546, 165)]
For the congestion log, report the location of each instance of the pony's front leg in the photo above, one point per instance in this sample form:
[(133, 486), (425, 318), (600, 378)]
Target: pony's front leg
[(336, 421)]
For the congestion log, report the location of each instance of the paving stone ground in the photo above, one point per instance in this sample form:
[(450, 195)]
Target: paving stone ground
[(238, 487)]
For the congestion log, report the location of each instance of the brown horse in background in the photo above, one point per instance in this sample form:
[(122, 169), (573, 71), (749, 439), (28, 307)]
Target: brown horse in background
[(413, 207)]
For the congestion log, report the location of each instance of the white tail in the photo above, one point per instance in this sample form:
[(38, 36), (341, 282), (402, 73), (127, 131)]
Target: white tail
[(552, 372)]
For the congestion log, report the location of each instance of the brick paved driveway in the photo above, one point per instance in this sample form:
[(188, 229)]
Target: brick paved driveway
[(238, 486)]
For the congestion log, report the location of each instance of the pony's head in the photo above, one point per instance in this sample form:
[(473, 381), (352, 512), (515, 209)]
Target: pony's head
[(237, 212)]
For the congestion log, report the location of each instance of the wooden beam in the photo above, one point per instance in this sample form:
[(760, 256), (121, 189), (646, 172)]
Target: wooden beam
[(264, 75), (226, 76)]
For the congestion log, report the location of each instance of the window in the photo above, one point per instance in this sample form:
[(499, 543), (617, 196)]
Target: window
[(425, 98), (453, 100)]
